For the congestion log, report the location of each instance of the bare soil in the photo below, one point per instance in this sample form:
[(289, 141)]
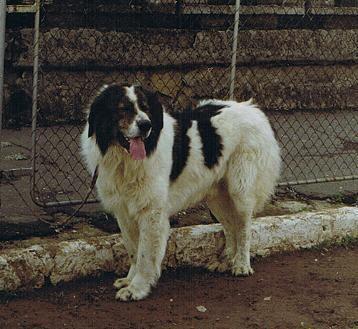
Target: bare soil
[(306, 289)]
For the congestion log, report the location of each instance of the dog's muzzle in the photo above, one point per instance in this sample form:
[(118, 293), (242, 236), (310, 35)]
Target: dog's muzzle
[(144, 127)]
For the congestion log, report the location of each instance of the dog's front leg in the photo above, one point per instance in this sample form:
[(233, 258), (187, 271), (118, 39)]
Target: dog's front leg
[(130, 236), (153, 235)]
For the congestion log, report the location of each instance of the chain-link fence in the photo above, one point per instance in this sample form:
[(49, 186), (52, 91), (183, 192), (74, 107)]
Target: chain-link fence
[(297, 59)]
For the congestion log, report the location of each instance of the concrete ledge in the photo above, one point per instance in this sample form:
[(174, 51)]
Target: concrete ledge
[(29, 268)]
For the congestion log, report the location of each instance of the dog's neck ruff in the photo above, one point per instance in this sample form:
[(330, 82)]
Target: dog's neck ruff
[(119, 159)]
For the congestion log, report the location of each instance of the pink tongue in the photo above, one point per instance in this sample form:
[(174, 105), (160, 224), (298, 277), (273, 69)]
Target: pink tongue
[(137, 149)]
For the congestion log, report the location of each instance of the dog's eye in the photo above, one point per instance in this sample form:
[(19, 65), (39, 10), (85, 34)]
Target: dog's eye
[(144, 108), (125, 109)]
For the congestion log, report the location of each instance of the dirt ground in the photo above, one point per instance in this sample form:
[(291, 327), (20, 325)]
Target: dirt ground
[(306, 289)]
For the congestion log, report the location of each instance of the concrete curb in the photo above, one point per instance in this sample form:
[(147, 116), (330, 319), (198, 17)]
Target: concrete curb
[(23, 269)]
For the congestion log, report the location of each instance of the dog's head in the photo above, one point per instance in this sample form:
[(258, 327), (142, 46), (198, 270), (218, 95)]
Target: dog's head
[(130, 116)]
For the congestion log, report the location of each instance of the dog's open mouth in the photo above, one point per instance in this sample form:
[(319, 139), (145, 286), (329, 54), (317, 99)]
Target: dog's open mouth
[(137, 148)]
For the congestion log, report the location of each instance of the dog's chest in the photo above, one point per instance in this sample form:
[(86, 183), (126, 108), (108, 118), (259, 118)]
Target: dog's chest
[(120, 183)]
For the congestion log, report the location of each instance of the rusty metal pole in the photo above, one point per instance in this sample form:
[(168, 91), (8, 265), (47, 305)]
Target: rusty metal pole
[(234, 49), (34, 93), (2, 56)]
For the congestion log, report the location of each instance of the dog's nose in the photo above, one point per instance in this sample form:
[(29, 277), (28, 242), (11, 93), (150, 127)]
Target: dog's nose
[(144, 126)]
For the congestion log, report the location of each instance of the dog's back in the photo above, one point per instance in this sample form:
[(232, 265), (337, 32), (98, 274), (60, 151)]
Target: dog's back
[(226, 141)]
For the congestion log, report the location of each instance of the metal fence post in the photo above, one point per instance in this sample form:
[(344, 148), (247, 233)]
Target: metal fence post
[(34, 92), (234, 49), (2, 55)]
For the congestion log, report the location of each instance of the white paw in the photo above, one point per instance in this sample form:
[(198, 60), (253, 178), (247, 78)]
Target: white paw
[(131, 293), (229, 253), (242, 270), (122, 282), (218, 266)]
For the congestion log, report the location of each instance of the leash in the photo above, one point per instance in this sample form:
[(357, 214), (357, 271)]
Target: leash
[(92, 185)]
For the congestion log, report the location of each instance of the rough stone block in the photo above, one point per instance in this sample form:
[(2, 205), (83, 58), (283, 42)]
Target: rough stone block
[(89, 48), (281, 88), (274, 66), (320, 3), (63, 96), (25, 269), (334, 11), (195, 246), (76, 258), (279, 2)]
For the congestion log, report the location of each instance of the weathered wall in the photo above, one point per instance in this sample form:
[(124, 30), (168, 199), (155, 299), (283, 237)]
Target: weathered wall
[(287, 59), (285, 88), (75, 47)]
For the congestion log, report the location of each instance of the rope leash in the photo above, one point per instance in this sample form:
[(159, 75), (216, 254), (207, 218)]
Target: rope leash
[(93, 184)]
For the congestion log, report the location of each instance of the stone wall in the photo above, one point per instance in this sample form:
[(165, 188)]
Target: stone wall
[(292, 55)]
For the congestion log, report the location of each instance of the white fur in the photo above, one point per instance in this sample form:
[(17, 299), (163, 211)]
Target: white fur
[(133, 129), (132, 95), (141, 197)]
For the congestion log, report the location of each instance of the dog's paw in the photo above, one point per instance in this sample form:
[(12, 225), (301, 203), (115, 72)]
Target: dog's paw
[(121, 283), (242, 270), (217, 266), (131, 293)]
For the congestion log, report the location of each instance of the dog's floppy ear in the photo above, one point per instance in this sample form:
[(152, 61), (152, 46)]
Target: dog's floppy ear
[(100, 120), (91, 120), (155, 107), (156, 117), (95, 109)]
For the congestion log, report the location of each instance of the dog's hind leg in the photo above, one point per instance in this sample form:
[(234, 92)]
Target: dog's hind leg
[(242, 230), (222, 207), (241, 179), (234, 213), (153, 235)]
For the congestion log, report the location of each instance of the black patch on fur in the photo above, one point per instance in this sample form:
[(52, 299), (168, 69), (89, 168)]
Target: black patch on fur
[(211, 141), (181, 147), (103, 118), (149, 103)]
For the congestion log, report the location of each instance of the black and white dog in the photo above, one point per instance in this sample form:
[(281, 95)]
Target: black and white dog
[(152, 164)]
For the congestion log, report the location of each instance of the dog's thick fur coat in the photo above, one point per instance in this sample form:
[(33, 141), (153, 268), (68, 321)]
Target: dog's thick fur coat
[(221, 151)]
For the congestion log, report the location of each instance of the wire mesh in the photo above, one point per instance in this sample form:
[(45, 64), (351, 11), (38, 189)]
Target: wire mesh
[(294, 58), (303, 68)]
